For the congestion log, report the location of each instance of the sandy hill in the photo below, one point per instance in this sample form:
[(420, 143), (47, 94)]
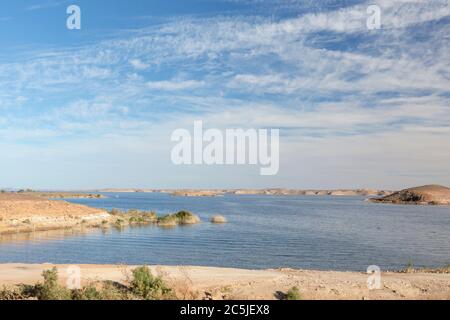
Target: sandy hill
[(25, 212), (430, 194)]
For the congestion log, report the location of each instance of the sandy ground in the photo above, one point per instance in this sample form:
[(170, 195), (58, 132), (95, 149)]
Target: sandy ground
[(223, 283), (26, 212)]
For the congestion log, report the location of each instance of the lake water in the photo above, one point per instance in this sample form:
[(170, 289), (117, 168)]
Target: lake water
[(309, 232)]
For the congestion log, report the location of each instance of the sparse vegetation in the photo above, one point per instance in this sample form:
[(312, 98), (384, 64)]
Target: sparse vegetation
[(167, 221), (411, 269), (148, 287), (119, 223), (182, 217), (11, 293), (293, 294), (141, 217), (50, 289), (410, 266), (143, 286)]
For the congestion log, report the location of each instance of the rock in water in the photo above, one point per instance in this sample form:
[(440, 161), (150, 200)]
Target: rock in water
[(218, 219)]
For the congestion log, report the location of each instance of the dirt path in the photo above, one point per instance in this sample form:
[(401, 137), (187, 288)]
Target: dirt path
[(223, 283)]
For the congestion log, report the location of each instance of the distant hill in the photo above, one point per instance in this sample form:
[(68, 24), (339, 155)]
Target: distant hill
[(430, 194), (271, 192)]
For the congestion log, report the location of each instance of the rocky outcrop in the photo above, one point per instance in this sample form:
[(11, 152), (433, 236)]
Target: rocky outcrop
[(424, 195)]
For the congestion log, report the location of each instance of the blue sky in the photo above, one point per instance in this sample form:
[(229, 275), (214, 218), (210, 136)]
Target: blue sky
[(95, 107)]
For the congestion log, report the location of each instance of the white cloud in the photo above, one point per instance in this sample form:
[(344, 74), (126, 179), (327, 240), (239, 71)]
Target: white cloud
[(45, 5), (174, 85), (138, 64)]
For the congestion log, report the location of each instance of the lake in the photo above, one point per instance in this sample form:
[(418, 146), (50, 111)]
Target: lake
[(307, 232)]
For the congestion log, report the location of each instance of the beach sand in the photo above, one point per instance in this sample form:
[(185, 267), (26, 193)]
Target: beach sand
[(227, 283)]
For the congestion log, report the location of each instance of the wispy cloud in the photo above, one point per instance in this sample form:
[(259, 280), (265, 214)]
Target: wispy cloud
[(138, 64), (46, 5), (174, 85)]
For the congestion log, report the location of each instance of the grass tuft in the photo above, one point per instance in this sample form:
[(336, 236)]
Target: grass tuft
[(293, 294)]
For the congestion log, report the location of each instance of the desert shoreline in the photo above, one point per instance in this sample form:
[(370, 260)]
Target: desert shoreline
[(236, 284)]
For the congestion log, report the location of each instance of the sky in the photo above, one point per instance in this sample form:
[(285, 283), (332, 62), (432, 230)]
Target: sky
[(96, 107)]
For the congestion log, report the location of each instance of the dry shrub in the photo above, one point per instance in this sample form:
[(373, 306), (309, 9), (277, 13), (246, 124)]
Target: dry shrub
[(182, 286)]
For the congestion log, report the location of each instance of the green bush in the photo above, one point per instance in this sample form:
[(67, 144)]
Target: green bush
[(141, 217), (293, 294), (112, 291), (106, 290), (50, 289), (87, 293), (186, 217), (182, 217), (167, 221), (146, 286), (119, 222)]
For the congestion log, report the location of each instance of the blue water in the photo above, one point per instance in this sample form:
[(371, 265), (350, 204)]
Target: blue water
[(309, 232)]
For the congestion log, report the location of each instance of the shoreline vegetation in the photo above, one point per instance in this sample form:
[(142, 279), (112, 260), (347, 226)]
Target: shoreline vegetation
[(120, 282), (137, 217)]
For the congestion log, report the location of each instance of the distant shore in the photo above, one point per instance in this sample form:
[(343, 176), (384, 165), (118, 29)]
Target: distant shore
[(267, 191), (56, 194), (232, 284)]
